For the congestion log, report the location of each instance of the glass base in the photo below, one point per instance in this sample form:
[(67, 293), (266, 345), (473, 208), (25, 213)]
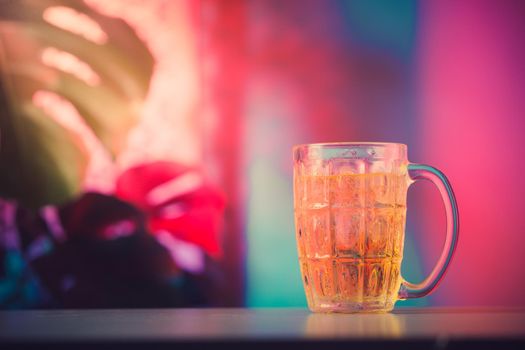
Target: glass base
[(353, 307)]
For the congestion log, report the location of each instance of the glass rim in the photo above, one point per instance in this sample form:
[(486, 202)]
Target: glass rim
[(350, 144)]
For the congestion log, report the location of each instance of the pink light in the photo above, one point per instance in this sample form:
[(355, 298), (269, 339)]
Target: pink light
[(119, 229), (188, 256), (69, 63), (177, 187), (75, 22), (472, 105), (173, 211)]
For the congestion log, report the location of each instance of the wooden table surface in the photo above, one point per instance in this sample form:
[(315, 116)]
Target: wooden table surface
[(262, 328)]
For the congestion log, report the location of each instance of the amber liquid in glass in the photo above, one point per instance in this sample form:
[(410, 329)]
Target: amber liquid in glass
[(350, 231)]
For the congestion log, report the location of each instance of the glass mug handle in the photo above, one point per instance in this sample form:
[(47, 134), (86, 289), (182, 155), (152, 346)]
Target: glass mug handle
[(425, 172)]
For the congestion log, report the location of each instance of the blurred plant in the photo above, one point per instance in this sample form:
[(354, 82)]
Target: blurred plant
[(90, 249), (109, 259), (46, 161)]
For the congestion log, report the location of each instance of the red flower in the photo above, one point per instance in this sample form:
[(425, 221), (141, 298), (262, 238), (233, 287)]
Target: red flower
[(176, 199)]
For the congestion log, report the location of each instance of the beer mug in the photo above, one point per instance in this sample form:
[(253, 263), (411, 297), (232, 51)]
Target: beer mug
[(350, 211)]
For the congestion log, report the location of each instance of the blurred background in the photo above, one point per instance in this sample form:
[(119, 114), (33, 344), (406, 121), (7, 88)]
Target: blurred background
[(145, 146)]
